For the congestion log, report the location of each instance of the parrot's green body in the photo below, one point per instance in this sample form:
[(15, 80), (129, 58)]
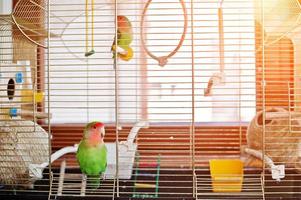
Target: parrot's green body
[(124, 38), (92, 154)]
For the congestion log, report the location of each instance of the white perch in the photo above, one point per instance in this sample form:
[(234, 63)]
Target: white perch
[(38, 115), (134, 131), (127, 151), (278, 171)]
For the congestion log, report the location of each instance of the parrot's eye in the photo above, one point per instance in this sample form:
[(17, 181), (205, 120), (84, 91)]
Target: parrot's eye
[(94, 127)]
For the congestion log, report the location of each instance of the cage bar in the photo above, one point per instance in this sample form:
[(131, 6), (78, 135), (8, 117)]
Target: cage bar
[(178, 84)]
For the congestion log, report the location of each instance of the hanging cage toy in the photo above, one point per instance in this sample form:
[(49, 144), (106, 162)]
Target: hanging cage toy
[(218, 77), (91, 51), (83, 15), (163, 59)]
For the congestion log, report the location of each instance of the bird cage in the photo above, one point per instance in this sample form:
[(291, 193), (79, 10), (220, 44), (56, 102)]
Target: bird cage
[(200, 99), (23, 141)]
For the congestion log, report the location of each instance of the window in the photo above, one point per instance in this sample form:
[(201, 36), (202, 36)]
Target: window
[(83, 88), (170, 97)]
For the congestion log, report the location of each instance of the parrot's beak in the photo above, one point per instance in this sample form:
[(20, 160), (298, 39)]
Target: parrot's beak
[(102, 132)]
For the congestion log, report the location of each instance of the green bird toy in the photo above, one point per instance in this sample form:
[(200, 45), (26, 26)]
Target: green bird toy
[(124, 38), (92, 153)]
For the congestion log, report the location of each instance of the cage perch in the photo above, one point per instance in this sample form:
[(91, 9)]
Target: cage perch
[(13, 112), (63, 175), (127, 150), (144, 185)]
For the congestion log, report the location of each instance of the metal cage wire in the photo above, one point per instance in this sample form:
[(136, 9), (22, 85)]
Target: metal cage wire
[(229, 92), (24, 143)]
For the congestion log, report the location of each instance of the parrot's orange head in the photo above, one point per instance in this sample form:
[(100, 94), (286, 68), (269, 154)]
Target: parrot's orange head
[(94, 131), (124, 24)]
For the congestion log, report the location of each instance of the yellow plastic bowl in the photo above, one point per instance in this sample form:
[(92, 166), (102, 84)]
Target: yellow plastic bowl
[(226, 175)]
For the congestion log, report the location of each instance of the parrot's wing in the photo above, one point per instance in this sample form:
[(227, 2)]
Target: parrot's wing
[(113, 44), (118, 34), (118, 37), (80, 155)]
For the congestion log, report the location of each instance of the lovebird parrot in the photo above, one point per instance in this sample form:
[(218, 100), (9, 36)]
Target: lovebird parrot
[(92, 153), (124, 38)]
